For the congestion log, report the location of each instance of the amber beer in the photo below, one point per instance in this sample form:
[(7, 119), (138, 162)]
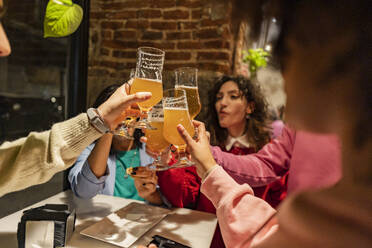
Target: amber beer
[(155, 139), (173, 117), (193, 100), (148, 85)]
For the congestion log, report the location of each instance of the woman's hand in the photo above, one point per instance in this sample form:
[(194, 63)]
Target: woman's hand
[(199, 148), (112, 110), (145, 182)]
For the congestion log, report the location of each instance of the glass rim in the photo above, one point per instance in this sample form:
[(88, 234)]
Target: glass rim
[(186, 68), (157, 51)]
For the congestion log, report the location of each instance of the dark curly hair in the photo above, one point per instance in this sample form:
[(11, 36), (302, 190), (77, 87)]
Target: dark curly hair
[(257, 126), (103, 96)]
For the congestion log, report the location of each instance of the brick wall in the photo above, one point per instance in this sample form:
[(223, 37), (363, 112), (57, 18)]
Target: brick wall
[(192, 33)]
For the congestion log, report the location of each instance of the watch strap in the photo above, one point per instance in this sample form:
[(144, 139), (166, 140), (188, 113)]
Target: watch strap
[(96, 121)]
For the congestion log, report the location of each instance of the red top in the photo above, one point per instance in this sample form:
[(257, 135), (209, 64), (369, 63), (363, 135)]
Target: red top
[(181, 187)]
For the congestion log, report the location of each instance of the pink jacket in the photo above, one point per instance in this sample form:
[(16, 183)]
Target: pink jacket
[(313, 161)]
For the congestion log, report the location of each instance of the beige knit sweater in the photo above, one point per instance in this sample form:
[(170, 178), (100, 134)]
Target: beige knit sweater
[(37, 157)]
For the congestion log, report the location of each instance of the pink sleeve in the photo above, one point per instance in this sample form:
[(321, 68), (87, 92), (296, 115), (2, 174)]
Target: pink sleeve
[(240, 214), (262, 168)]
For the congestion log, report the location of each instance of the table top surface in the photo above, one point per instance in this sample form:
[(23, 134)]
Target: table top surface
[(188, 227)]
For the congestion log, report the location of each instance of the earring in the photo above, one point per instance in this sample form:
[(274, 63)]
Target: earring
[(247, 116)]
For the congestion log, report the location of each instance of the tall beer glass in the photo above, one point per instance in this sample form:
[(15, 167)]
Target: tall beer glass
[(148, 77), (155, 139), (176, 112), (187, 79)]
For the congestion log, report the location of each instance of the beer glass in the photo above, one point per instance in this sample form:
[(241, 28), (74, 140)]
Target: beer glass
[(187, 79), (176, 112), (148, 77), (155, 139)]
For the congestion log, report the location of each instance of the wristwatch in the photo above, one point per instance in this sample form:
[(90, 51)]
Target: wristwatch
[(96, 121)]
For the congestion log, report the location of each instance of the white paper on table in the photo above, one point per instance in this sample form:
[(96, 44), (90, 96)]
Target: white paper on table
[(126, 225), (39, 234)]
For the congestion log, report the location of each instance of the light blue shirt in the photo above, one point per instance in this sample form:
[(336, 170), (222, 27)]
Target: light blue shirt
[(85, 184)]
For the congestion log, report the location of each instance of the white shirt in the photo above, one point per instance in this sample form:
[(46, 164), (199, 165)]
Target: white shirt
[(241, 141)]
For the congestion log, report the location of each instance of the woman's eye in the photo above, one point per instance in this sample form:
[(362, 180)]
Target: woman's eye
[(235, 97), (218, 98)]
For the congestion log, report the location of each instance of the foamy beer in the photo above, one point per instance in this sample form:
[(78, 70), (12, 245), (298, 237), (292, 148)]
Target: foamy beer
[(176, 112), (148, 77), (187, 79)]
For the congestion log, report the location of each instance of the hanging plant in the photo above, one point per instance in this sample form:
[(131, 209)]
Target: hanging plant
[(62, 18), (255, 58)]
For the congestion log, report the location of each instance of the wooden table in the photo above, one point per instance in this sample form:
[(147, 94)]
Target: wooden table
[(189, 227)]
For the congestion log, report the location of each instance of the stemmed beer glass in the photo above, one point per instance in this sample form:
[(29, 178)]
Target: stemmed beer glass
[(187, 79), (155, 138), (148, 77), (176, 112)]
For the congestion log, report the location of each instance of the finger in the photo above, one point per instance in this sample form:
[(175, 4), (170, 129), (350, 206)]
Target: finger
[(138, 97), (152, 246), (127, 88), (185, 135)]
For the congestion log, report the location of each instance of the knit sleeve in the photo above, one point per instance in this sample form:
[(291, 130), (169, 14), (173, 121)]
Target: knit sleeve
[(37, 157)]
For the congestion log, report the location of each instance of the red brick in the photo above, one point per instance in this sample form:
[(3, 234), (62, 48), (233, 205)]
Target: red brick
[(176, 14), (208, 22), (207, 34), (125, 35), (104, 51), (163, 3), (163, 25), (178, 35), (190, 3), (217, 44), (137, 24), (189, 25), (112, 64), (214, 67), (125, 5), (196, 14), (152, 35), (189, 45), (97, 72), (119, 44), (107, 34), (213, 56), (121, 15), (111, 25), (160, 45), (97, 15), (149, 13), (124, 54), (177, 55)]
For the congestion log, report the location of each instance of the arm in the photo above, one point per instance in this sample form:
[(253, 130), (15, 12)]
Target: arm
[(244, 219), (84, 182), (36, 158), (262, 168)]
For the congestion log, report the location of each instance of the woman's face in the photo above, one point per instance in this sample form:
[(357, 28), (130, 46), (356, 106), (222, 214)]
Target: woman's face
[(231, 106), (4, 43)]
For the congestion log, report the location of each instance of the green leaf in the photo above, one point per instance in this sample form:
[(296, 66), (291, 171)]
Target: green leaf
[(62, 18)]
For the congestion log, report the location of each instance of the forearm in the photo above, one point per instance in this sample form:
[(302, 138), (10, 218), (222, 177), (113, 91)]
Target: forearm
[(98, 157), (36, 158), (155, 198), (240, 214)]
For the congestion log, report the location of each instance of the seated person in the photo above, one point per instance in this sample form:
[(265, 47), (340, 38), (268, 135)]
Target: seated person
[(101, 167)]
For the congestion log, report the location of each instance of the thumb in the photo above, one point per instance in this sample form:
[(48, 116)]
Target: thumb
[(185, 135)]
